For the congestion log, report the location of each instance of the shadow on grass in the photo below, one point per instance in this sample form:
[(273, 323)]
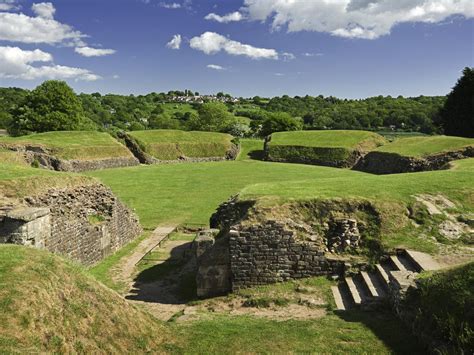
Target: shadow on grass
[(256, 154), (169, 282), (387, 328)]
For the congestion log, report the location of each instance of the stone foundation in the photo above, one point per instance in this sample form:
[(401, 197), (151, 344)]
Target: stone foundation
[(85, 223)]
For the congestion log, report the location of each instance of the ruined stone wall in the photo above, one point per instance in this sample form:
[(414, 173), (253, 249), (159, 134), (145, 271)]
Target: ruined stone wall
[(269, 253), (84, 223), (391, 163), (47, 160)]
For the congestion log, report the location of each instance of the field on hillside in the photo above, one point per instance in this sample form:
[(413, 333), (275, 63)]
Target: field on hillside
[(173, 144), (328, 139), (80, 145), (424, 146)]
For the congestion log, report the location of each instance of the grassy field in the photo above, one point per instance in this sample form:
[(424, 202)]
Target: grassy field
[(173, 144), (425, 146), (328, 139), (80, 145), (172, 108), (190, 193)]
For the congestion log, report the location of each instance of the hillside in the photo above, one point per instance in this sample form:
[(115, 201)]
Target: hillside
[(77, 145), (330, 148), (50, 305), (420, 147), (174, 144)]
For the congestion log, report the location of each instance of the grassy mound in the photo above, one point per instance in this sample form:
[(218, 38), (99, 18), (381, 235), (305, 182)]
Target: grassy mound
[(333, 148), (10, 157), (48, 305), (172, 144), (77, 145), (443, 307), (419, 147)]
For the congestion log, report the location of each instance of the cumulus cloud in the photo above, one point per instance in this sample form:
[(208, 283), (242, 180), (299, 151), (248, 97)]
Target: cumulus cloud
[(93, 52), (212, 43), (18, 27), (288, 56), (8, 5), (368, 19), (175, 42), (216, 67), (16, 63), (232, 17), (45, 10)]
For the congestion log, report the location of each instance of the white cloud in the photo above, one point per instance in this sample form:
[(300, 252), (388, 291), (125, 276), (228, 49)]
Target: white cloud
[(288, 56), (171, 6), (17, 27), (312, 54), (232, 17), (93, 52), (8, 5), (175, 42), (212, 43), (367, 19), (16, 63), (45, 10), (216, 67), (279, 74), (116, 76)]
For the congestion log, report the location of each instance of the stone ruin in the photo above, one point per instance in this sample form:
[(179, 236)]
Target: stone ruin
[(343, 236), (84, 223)]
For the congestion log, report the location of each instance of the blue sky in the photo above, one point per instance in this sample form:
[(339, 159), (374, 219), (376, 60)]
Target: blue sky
[(349, 48)]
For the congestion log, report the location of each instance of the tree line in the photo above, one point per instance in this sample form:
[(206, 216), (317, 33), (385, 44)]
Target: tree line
[(53, 105)]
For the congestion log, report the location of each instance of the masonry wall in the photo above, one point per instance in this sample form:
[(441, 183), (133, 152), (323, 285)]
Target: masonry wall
[(85, 223)]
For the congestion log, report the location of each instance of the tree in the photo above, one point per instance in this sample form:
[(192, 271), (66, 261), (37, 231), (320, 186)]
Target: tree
[(213, 116), (457, 115), (52, 106), (280, 122)]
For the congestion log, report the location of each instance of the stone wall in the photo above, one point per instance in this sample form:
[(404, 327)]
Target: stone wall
[(85, 223), (391, 163), (47, 160)]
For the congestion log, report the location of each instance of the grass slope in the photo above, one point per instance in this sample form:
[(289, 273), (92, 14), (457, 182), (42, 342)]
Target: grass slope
[(329, 139), (172, 144), (333, 148), (49, 305), (424, 146), (80, 145)]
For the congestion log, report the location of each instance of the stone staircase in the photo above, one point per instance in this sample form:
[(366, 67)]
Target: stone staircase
[(370, 289)]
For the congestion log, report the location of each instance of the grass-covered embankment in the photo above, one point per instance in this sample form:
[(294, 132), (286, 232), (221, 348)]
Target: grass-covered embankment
[(420, 147), (442, 308), (74, 145), (49, 305), (174, 144), (330, 148)]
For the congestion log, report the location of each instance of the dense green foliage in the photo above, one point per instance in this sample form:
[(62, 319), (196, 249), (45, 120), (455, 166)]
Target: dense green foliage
[(458, 112), (213, 117), (172, 145), (81, 145), (52, 106), (444, 309), (425, 146)]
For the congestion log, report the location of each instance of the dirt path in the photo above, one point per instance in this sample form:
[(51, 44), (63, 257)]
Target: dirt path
[(126, 269)]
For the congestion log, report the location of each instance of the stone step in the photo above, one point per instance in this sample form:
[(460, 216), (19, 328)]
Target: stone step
[(338, 298), (422, 261), (370, 286), (382, 275), (398, 264), (356, 297)]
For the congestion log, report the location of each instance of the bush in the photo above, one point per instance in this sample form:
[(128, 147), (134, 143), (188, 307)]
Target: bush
[(280, 122)]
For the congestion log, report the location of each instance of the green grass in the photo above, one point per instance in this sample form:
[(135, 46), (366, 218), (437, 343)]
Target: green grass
[(328, 139), (172, 144), (251, 149), (80, 145), (425, 146), (172, 108), (353, 333), (190, 193)]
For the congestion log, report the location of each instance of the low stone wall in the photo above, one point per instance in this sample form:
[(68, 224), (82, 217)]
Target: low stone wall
[(47, 160), (391, 163), (85, 223)]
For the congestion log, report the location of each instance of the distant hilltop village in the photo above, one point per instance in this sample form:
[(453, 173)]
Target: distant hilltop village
[(190, 97)]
